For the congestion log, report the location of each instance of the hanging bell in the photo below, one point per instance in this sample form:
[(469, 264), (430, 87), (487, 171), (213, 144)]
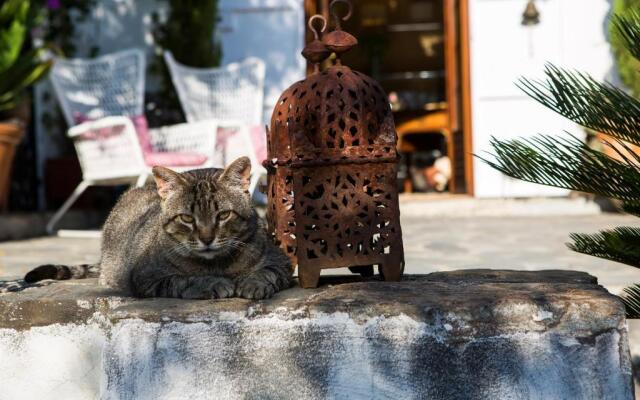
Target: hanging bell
[(531, 15)]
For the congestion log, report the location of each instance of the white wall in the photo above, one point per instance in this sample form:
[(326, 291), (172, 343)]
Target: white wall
[(571, 33), (272, 30)]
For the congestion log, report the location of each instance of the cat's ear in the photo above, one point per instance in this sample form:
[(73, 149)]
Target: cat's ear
[(167, 181), (238, 173)]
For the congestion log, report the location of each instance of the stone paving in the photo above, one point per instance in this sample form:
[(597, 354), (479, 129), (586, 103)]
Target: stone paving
[(431, 244), (524, 243)]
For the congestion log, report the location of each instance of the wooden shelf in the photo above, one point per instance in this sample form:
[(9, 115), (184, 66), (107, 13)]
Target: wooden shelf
[(410, 75), (416, 27)]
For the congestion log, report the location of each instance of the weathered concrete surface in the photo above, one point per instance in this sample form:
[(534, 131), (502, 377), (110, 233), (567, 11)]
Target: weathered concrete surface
[(455, 335), (430, 244)]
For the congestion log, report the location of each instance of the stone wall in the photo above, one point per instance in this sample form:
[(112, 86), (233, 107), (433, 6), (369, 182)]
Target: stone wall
[(456, 335)]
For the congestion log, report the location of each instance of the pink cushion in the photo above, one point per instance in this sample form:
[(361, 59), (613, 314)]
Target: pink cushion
[(80, 118), (182, 159), (258, 136), (139, 123), (142, 129), (151, 158)]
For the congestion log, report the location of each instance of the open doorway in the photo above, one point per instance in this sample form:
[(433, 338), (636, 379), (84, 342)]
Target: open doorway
[(418, 51)]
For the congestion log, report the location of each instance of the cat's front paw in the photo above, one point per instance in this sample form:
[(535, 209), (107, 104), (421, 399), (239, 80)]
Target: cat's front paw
[(221, 288), (255, 289)]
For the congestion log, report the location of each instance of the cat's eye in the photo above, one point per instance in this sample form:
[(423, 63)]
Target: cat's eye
[(224, 215), (187, 219)]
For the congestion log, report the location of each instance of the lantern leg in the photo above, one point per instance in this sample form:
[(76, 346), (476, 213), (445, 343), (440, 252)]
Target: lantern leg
[(391, 270), (364, 270), (309, 277)]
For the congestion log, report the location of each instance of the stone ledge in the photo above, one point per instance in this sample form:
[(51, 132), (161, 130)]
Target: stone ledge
[(460, 334), (533, 301)]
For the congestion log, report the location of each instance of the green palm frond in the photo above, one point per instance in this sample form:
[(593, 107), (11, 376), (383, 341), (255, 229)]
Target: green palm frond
[(580, 98), (623, 150), (627, 66), (631, 207), (621, 244), (568, 163), (631, 301), (628, 27)]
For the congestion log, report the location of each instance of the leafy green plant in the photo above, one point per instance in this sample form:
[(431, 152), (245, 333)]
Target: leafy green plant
[(57, 21), (566, 162), (628, 66), (18, 69), (188, 32)]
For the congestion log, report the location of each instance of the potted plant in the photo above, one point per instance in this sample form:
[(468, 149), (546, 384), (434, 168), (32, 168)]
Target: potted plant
[(19, 69)]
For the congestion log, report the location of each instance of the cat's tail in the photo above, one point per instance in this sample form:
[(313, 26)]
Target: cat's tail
[(61, 272)]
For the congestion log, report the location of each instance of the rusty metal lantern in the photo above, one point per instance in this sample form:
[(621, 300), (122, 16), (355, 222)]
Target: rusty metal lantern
[(332, 166)]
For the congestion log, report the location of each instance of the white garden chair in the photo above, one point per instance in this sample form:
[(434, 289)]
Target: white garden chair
[(233, 95), (107, 93), (233, 92)]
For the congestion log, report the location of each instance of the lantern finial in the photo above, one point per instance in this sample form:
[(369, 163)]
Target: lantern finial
[(334, 13), (316, 51), (339, 41)]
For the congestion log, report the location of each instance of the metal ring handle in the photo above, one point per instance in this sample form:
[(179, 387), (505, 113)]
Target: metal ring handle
[(313, 29), (335, 15)]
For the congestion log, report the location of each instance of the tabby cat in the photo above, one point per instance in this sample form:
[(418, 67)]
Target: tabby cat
[(192, 235)]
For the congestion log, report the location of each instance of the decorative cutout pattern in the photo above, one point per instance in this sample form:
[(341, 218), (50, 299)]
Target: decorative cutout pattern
[(334, 115), (280, 212), (346, 216), (332, 165)]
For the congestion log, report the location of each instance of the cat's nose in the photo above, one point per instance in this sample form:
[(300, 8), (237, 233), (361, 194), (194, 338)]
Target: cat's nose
[(207, 240)]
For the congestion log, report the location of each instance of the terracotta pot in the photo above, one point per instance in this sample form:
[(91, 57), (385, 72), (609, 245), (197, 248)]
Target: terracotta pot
[(11, 134)]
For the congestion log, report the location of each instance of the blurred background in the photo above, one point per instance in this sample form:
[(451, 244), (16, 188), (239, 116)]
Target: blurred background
[(448, 66)]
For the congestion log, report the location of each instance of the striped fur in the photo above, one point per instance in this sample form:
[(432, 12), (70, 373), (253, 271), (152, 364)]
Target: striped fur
[(191, 235), (61, 272)]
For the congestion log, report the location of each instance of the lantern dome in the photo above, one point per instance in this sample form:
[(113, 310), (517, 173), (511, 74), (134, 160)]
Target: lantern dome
[(333, 115)]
